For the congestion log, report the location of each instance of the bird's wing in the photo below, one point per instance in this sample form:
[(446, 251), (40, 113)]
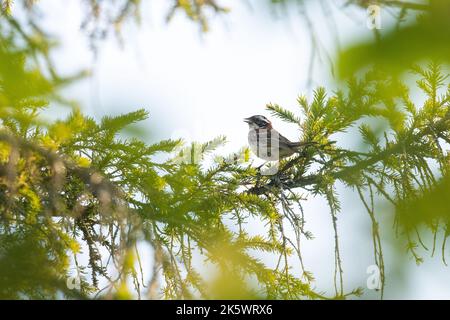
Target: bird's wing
[(283, 140), (269, 138)]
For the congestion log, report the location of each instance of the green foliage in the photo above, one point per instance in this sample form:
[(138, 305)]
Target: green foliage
[(77, 186), (197, 10), (399, 164), (283, 114), (30, 263), (399, 47)]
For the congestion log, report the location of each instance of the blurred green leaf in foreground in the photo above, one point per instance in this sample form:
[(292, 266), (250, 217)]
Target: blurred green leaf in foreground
[(425, 35)]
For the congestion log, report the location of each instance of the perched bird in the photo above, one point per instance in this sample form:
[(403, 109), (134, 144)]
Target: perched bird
[(267, 143)]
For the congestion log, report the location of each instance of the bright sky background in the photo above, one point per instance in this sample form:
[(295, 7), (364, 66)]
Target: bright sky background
[(198, 86)]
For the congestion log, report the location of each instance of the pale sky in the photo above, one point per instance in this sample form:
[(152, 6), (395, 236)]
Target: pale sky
[(198, 86)]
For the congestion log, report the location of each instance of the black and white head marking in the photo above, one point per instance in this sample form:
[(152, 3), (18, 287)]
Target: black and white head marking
[(258, 122)]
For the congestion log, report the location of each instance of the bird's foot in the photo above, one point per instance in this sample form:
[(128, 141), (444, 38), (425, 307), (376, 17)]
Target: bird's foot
[(281, 179)]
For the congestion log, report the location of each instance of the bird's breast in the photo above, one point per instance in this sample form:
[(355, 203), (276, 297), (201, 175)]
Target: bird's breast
[(265, 144)]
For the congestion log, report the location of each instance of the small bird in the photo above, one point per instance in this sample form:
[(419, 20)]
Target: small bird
[(267, 143)]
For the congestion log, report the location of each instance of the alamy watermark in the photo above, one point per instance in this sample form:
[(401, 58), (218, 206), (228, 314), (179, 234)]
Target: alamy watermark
[(374, 279), (373, 20)]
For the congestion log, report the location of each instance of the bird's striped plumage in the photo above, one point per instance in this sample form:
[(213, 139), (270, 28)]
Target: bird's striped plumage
[(267, 143)]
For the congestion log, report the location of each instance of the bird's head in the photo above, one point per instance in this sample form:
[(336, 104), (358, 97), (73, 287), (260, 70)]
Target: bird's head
[(258, 122)]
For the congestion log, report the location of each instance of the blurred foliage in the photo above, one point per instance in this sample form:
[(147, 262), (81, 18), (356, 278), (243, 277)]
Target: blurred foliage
[(77, 195), (74, 187), (398, 47), (103, 16), (402, 163)]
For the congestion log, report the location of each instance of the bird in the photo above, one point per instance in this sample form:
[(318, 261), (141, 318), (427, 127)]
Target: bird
[(267, 143)]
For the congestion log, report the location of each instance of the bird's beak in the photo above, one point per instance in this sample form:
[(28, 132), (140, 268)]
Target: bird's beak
[(247, 120)]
